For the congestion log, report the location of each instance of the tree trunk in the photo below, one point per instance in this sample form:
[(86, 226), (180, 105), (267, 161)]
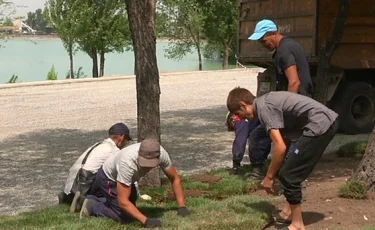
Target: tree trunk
[(366, 169), (102, 60), (141, 16), (327, 50), (71, 61), (226, 55), (199, 56), (94, 57)]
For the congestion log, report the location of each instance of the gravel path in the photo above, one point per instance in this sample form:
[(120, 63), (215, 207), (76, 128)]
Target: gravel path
[(45, 128)]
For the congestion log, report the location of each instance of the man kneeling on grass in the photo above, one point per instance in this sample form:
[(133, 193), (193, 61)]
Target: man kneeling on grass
[(117, 177), (286, 115)]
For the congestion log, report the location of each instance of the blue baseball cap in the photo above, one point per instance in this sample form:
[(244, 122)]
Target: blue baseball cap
[(263, 27)]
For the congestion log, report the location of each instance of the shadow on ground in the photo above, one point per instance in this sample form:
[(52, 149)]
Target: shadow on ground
[(34, 165), (331, 166)]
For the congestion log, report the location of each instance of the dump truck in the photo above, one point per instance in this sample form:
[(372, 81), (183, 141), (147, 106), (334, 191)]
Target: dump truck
[(351, 77)]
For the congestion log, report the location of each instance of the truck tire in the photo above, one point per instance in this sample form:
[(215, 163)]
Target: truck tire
[(355, 105)]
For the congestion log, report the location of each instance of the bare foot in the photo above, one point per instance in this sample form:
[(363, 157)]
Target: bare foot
[(286, 216), (292, 227)]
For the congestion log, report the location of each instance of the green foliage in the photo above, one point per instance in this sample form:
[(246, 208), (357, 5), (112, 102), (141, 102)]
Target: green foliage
[(220, 26), (77, 74), (352, 148), (183, 26), (63, 16), (36, 20), (13, 79), (52, 74), (161, 22), (353, 189), (8, 22), (95, 27)]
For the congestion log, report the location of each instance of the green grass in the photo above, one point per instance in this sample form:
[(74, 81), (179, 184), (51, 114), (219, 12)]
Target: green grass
[(238, 212), (227, 206), (352, 148), (353, 190)]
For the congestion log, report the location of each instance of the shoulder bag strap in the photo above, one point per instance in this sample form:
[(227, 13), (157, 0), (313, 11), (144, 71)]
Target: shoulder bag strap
[(88, 153)]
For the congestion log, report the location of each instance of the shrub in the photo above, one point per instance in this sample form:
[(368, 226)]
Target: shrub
[(352, 148), (77, 74), (353, 189), (52, 74), (13, 79)]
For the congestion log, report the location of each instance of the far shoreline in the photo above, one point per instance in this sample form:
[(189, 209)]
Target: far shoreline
[(50, 38)]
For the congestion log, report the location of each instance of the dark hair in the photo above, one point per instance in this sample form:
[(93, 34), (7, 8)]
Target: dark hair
[(229, 122), (237, 95)]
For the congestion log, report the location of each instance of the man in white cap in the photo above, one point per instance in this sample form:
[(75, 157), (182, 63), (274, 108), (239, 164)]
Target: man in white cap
[(292, 74), (83, 172), (117, 178)]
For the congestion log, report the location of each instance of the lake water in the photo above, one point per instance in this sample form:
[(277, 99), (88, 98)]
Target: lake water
[(31, 61)]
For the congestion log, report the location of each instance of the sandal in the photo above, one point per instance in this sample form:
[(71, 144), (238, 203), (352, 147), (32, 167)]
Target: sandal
[(279, 219)]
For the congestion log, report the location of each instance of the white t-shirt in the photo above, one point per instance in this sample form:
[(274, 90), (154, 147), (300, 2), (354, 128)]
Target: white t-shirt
[(94, 161), (123, 165)]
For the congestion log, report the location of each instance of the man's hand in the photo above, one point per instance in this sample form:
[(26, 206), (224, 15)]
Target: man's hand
[(267, 184), (183, 211), (152, 223)]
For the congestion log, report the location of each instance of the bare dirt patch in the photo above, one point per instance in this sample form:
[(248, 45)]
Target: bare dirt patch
[(206, 178), (323, 208)]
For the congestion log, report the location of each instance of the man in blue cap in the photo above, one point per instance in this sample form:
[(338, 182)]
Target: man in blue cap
[(82, 174), (292, 74)]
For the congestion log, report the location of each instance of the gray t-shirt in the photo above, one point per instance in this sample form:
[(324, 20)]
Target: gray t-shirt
[(123, 165), (293, 114)]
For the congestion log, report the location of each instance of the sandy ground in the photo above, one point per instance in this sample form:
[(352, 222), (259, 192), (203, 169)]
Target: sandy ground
[(46, 127)]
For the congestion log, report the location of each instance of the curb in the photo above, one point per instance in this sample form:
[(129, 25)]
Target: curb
[(115, 78)]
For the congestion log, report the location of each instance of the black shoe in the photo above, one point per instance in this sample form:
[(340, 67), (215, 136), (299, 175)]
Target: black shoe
[(87, 208), (235, 169), (256, 174), (60, 196), (77, 202)]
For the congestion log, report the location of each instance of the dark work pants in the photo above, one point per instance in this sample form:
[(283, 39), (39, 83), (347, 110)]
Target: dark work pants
[(107, 206), (300, 161), (259, 145), (242, 130)]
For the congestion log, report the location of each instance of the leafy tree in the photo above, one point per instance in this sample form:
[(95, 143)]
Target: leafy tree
[(8, 22), (161, 20), (220, 26), (105, 30), (183, 27), (113, 30), (63, 16), (36, 20), (7, 8)]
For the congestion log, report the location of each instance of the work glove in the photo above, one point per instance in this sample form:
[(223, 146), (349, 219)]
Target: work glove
[(182, 211), (152, 223)]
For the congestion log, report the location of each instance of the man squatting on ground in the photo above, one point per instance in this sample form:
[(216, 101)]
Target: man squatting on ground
[(83, 172), (116, 181), (287, 116), (292, 74), (242, 129)]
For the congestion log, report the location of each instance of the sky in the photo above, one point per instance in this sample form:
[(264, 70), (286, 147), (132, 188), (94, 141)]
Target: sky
[(28, 5)]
